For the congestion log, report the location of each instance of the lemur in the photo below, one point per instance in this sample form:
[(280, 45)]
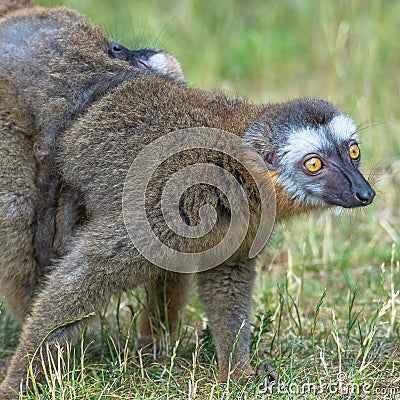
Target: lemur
[(308, 147)]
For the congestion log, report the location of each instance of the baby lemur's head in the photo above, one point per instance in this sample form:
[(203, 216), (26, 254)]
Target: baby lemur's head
[(312, 149), (158, 61)]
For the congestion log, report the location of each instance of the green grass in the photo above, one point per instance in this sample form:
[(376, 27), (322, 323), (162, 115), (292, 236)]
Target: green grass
[(326, 309)]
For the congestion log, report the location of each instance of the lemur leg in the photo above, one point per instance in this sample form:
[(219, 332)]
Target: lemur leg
[(165, 301), (19, 272), (101, 263), (226, 293)]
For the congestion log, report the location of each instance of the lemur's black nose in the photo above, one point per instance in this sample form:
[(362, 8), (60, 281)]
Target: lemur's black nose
[(366, 196)]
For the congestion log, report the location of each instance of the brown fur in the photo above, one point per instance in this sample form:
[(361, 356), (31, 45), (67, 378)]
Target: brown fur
[(19, 269), (8, 6), (69, 69)]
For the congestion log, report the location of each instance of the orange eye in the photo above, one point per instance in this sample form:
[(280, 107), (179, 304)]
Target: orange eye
[(313, 164), (354, 151)]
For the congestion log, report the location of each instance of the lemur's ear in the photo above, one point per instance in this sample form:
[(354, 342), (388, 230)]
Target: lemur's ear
[(256, 138)]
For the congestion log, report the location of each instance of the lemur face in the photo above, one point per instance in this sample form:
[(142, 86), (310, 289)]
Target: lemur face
[(313, 147), (319, 165), (159, 61)]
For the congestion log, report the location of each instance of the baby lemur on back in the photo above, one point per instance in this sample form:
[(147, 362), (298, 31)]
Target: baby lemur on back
[(37, 212)]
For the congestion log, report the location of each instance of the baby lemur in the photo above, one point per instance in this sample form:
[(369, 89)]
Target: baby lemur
[(309, 146), (37, 212)]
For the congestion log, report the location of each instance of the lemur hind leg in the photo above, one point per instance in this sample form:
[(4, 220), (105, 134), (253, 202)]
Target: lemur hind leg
[(165, 301), (226, 293)]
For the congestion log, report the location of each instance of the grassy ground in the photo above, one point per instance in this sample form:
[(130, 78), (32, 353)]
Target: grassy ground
[(326, 306)]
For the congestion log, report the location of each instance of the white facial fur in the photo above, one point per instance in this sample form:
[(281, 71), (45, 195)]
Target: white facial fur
[(308, 140), (166, 64), (159, 62), (343, 127)]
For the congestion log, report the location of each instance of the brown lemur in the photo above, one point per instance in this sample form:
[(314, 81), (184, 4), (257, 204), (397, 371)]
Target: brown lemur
[(72, 64), (309, 146)]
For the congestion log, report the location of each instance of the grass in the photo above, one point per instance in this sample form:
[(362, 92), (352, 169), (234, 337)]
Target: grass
[(326, 304)]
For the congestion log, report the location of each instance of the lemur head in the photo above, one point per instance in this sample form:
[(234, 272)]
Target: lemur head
[(312, 148), (159, 61)]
